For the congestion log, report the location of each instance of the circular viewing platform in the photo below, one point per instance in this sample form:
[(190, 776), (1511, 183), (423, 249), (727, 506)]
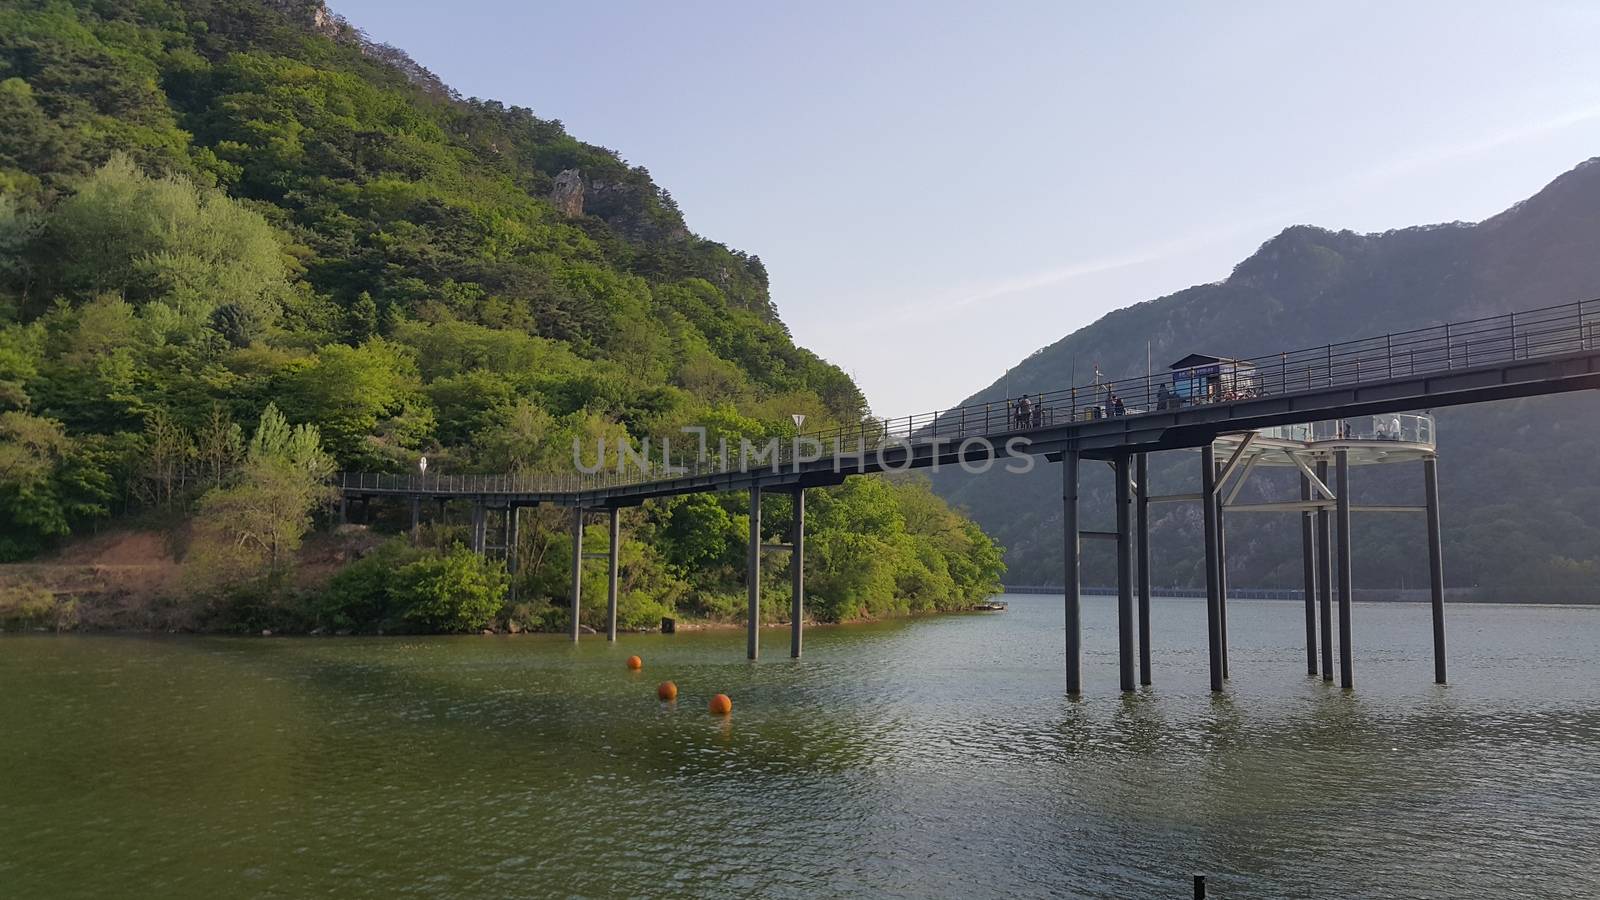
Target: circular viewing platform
[(1369, 440)]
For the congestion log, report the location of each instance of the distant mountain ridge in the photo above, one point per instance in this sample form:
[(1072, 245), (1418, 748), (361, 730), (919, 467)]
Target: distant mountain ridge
[(1510, 472)]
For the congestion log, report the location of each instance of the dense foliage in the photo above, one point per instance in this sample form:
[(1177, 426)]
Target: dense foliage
[(216, 212)]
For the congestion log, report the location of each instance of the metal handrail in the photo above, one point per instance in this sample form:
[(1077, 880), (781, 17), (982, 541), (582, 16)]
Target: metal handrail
[(1528, 334)]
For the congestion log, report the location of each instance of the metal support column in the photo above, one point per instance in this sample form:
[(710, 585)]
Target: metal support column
[(611, 572), (797, 575), (1208, 510), (577, 567), (1325, 578), (1222, 583), (513, 532), (753, 578), (480, 519), (1124, 500), (344, 508), (1069, 528), (1430, 483), (416, 518), (1308, 562), (1346, 658), (1142, 524)]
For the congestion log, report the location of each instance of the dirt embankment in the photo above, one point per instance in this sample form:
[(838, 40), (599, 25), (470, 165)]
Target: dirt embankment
[(115, 580), (132, 579)]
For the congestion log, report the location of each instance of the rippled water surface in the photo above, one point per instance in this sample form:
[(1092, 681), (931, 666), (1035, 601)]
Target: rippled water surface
[(935, 757)]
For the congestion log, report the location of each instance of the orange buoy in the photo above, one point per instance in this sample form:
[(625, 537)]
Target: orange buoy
[(635, 663), (721, 705), (666, 690)]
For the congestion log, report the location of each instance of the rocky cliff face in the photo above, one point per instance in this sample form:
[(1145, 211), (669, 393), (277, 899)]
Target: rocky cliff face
[(314, 14), (567, 193)]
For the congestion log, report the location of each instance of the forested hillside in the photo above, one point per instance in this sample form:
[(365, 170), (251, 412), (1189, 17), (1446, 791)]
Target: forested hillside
[(1520, 480), (241, 247)]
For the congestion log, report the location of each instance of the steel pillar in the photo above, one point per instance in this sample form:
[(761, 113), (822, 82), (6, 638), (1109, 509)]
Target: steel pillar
[(513, 533), (753, 578), (1308, 561), (611, 572), (1222, 583), (416, 518), (480, 520), (1142, 524), (1325, 578), (344, 508), (797, 575), (1124, 501), (1069, 528), (1346, 658), (1430, 483), (1208, 509), (577, 567)]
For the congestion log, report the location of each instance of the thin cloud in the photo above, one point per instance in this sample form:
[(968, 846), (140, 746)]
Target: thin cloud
[(1289, 207)]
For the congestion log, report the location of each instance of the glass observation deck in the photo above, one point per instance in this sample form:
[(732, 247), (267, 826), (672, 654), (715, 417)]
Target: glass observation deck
[(1369, 440)]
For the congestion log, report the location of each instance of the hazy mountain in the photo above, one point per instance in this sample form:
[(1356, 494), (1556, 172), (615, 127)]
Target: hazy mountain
[(1519, 479)]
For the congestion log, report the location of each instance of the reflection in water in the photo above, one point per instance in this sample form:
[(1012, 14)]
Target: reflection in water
[(931, 757)]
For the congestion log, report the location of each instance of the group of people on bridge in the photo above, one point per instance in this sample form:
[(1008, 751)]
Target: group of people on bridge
[(1026, 413), (1029, 413)]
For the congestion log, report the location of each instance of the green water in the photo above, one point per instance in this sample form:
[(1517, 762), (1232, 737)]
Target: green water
[(935, 757)]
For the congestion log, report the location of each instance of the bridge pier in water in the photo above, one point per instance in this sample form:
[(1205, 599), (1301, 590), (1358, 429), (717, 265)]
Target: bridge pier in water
[(1142, 524), (1073, 601), (1124, 501), (1325, 582), (1208, 512), (1342, 513), (753, 578), (1308, 561), (797, 574), (1222, 580), (1430, 482), (577, 569), (612, 553)]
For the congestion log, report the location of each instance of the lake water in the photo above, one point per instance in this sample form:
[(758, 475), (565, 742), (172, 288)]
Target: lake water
[(934, 757)]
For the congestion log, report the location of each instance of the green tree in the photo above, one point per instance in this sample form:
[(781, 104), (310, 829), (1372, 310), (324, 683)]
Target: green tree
[(366, 400), (165, 239), (247, 530), (362, 595), (48, 483), (458, 591)]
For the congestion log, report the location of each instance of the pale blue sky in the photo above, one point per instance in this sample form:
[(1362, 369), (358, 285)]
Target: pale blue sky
[(938, 190)]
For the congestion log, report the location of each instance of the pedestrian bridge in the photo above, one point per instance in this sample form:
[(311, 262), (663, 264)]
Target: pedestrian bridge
[(1319, 408)]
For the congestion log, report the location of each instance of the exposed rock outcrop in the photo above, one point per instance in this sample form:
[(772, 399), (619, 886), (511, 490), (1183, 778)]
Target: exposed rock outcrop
[(567, 194)]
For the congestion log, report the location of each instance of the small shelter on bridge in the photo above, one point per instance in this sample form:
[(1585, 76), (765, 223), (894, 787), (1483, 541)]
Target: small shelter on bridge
[(1198, 378)]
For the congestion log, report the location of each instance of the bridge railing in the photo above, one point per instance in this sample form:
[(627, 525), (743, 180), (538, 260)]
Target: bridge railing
[(1529, 334), (1412, 428)]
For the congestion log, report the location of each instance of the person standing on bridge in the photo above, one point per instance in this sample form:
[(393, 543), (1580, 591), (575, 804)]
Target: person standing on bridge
[(1117, 406), (1024, 411)]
